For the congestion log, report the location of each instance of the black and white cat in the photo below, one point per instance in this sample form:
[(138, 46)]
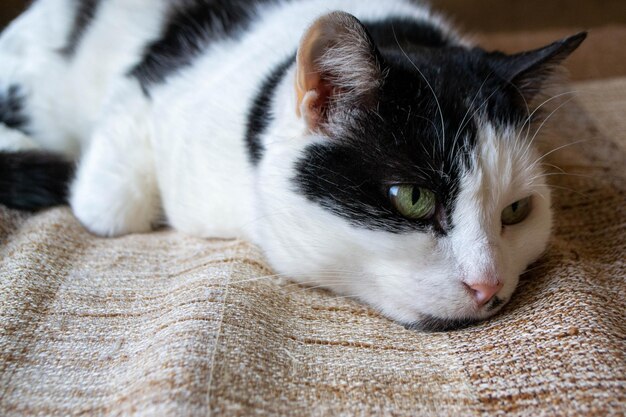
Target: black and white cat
[(362, 144)]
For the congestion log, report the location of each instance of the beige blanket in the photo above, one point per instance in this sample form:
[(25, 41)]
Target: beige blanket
[(167, 325)]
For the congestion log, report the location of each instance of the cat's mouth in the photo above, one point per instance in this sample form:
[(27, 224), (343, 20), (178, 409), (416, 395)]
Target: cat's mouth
[(438, 324)]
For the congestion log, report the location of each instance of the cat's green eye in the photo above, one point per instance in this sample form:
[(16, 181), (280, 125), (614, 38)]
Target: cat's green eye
[(516, 212), (413, 202)]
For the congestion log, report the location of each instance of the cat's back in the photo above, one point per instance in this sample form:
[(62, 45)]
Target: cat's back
[(79, 49), (218, 54), (65, 55), (243, 30)]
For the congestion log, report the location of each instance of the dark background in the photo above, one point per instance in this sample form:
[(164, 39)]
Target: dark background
[(514, 25)]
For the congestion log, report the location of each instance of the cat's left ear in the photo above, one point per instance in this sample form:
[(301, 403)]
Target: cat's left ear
[(338, 68), (528, 71)]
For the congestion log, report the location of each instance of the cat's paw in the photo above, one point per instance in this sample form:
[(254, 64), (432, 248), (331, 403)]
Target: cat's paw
[(106, 216), (114, 203)]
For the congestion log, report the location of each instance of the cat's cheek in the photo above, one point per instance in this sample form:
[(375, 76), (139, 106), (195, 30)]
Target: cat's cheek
[(303, 241), (415, 285), (527, 241)]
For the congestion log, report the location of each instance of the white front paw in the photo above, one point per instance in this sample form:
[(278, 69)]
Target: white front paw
[(110, 213)]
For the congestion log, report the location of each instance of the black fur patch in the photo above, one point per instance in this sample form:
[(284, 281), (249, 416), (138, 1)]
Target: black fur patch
[(436, 324), (408, 33), (422, 131), (12, 108), (260, 115), (495, 303), (192, 25), (33, 180), (85, 12)]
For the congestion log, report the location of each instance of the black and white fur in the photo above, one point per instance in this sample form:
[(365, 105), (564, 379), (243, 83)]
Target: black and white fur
[(286, 122)]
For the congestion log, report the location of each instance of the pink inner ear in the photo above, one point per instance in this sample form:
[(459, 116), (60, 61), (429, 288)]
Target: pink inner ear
[(313, 92), (334, 57), (315, 103)]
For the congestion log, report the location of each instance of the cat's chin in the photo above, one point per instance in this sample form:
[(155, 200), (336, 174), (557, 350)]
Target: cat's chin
[(430, 323)]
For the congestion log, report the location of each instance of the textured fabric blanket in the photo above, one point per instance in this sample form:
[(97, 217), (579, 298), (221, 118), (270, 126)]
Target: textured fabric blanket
[(166, 325)]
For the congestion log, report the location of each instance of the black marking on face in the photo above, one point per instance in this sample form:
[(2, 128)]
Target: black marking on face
[(191, 26), (260, 115), (437, 324), (401, 141), (84, 14), (413, 135), (495, 303), (34, 180), (12, 113)]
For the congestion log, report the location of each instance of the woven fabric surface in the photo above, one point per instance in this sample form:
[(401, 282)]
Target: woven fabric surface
[(168, 325)]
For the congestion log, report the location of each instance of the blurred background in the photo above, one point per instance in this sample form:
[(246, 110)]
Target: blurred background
[(514, 25)]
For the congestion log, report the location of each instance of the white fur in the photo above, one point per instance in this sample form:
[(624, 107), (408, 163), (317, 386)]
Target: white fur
[(13, 140), (182, 152)]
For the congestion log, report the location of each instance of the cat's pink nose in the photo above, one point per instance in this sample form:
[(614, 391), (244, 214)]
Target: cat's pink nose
[(483, 292)]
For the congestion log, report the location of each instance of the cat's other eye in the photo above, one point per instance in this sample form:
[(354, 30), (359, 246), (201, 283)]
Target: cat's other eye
[(516, 212), (413, 202)]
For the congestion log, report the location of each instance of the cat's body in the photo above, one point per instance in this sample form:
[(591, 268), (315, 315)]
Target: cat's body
[(199, 112)]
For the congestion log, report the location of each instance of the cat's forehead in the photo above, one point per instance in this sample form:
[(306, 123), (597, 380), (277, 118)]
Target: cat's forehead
[(457, 81), (428, 114), (433, 109)]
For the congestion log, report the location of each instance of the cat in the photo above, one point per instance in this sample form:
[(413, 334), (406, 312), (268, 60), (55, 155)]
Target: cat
[(365, 146)]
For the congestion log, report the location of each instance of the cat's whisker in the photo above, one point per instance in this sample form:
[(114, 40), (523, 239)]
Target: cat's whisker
[(546, 120), (543, 197), (552, 174), (260, 278), (469, 108), (433, 124), (327, 285), (443, 127), (526, 105), (340, 276), (558, 149), (304, 289), (427, 161), (479, 108), (544, 103), (342, 297), (558, 187), (535, 269), (350, 182), (536, 266), (553, 166), (528, 144), (471, 104), (307, 286)]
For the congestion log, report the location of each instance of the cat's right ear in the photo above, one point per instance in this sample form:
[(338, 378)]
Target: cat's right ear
[(338, 68)]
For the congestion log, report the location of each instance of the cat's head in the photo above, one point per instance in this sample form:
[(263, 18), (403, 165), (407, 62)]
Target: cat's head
[(405, 176)]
